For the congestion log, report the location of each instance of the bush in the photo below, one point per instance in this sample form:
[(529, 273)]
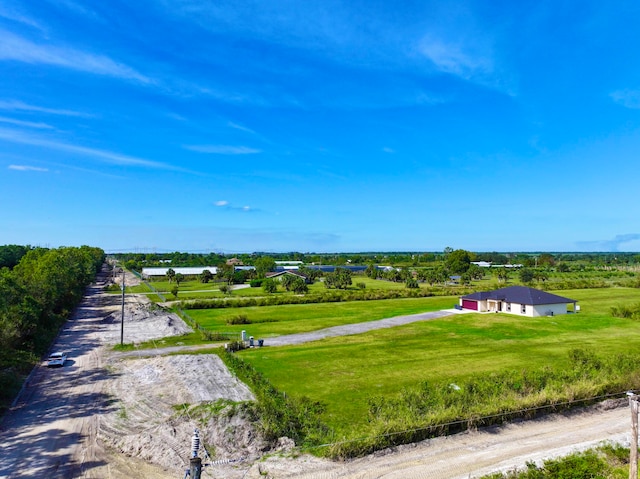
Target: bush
[(625, 311), (256, 283), (411, 283), (269, 286), (239, 319)]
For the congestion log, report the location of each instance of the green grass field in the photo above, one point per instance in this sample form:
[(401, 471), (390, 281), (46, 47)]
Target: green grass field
[(344, 372), (270, 321)]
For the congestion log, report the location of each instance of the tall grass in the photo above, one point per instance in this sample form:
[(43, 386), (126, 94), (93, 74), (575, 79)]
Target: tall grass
[(631, 311), (608, 461)]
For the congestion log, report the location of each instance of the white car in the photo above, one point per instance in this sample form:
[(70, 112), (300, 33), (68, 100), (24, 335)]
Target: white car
[(56, 359)]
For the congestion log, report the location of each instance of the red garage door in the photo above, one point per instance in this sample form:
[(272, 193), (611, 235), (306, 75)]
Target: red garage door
[(470, 304)]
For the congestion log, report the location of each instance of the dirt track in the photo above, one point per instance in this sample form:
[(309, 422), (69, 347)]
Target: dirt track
[(105, 417)]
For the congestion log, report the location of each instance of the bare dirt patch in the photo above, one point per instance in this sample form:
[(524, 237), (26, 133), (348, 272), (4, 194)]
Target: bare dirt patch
[(154, 416)]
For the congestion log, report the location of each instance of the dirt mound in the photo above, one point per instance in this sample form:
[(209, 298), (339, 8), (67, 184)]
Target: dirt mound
[(160, 401), (143, 321)]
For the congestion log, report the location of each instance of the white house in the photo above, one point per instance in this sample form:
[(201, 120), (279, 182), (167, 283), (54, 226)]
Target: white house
[(518, 300)]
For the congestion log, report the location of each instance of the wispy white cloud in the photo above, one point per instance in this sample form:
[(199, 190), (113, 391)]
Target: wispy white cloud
[(16, 105), (460, 58), (223, 149), (13, 47), (27, 168), (388, 150), (221, 203), (16, 16), (17, 136), (240, 127), (627, 98), (28, 124)]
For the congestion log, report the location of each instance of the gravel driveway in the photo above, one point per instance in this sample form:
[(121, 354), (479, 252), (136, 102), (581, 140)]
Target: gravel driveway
[(355, 328)]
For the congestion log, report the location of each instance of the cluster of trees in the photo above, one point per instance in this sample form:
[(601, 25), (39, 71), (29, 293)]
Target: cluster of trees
[(339, 279), (36, 297), (39, 292), (11, 254)]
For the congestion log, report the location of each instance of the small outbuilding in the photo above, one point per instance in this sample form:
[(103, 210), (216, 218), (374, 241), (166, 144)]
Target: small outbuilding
[(520, 300)]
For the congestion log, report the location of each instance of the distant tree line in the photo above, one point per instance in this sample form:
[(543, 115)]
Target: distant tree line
[(36, 296), (137, 261)]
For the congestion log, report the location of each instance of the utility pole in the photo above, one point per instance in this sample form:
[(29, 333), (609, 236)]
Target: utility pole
[(633, 448), (122, 319)]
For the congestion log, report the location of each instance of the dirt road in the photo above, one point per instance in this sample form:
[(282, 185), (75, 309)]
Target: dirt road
[(473, 454), (51, 432), (102, 416)]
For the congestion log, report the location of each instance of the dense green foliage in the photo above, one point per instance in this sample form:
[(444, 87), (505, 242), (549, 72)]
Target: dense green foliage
[(11, 254), (36, 297)]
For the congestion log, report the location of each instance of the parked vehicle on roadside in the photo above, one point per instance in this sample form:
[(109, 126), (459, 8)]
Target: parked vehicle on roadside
[(56, 359)]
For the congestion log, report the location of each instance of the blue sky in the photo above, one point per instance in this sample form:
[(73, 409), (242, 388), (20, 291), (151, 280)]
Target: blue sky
[(320, 126)]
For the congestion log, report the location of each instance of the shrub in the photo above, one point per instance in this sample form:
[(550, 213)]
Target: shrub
[(269, 286), (625, 311), (256, 283), (239, 319), (411, 283)]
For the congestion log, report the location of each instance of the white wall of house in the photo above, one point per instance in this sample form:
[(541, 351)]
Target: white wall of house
[(549, 309)]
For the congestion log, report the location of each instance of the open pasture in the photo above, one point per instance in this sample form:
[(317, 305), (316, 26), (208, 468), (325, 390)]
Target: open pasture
[(269, 321), (345, 372)]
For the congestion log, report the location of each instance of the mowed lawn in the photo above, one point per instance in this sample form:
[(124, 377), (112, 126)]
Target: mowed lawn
[(270, 321), (344, 372)]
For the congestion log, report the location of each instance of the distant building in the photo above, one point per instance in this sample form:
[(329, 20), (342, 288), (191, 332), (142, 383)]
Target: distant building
[(482, 264), (280, 274)]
